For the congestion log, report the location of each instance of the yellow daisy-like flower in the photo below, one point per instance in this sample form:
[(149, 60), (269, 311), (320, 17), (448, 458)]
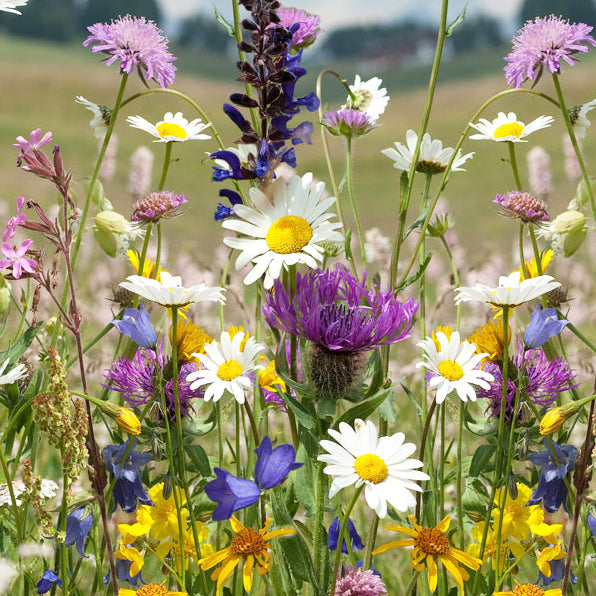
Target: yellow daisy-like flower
[(489, 340), (189, 338), (150, 590), (162, 517), (548, 554), (269, 379), (247, 548), (490, 550), (530, 269), (518, 518), (148, 265), (529, 590), (430, 545), (190, 549)]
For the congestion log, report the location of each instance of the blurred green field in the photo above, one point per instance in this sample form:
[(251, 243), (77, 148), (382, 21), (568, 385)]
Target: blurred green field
[(42, 80)]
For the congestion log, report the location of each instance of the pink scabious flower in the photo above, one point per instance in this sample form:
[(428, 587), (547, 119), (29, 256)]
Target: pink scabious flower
[(157, 205), (544, 42), (35, 141), (359, 582), (16, 259), (137, 43), (522, 205), (348, 122), (308, 26)]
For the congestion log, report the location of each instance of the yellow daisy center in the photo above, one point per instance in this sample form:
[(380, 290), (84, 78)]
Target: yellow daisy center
[(288, 234), (451, 370), (511, 129), (229, 370), (432, 542), (248, 542), (169, 129), (371, 467), (528, 590), (152, 590)]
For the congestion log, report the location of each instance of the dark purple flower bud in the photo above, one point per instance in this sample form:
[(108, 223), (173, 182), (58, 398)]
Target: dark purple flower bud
[(274, 465), (230, 494), (333, 536)]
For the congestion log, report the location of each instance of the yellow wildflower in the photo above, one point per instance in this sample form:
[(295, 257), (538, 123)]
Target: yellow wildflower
[(150, 590), (190, 339), (530, 268), (162, 517), (269, 379), (239, 329), (489, 339), (148, 265), (446, 330), (529, 590), (518, 518), (490, 550)]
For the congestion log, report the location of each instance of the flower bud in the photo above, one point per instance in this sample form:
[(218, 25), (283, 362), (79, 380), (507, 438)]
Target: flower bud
[(98, 196), (125, 417), (568, 222), (555, 418)]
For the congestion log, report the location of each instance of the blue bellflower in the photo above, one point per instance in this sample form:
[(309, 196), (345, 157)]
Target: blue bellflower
[(77, 527), (230, 494), (333, 536), (129, 486), (551, 487), (135, 324), (48, 580), (274, 465), (544, 324), (557, 571), (123, 573)]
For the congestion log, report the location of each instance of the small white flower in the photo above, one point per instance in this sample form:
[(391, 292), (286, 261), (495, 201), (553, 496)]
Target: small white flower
[(506, 127), (241, 151), (454, 366), (100, 120), (283, 231), (579, 118), (381, 464), (18, 372), (226, 366), (432, 159), (48, 488), (18, 488), (370, 97), (11, 5), (169, 291), (173, 127), (8, 572), (511, 291)]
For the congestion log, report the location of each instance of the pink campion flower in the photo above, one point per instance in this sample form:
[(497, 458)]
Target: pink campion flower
[(15, 221), (35, 141), (16, 259)]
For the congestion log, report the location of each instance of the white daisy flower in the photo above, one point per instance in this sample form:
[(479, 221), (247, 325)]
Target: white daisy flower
[(11, 5), (282, 231), (370, 98), (432, 159), (169, 291), (17, 373), (173, 127), (241, 151), (511, 291), (579, 118), (226, 366), (454, 366), (506, 127), (101, 116), (382, 465)]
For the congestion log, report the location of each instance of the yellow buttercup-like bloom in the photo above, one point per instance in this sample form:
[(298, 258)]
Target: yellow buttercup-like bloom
[(150, 590), (489, 339), (444, 329), (127, 420), (191, 551), (269, 379), (162, 517), (530, 269), (190, 338), (248, 548), (518, 517), (508, 547), (148, 265), (430, 546)]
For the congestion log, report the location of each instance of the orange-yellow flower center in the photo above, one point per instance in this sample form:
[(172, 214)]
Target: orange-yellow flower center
[(169, 129), (371, 467), (152, 590), (512, 129), (288, 234), (528, 590), (432, 542), (451, 370), (248, 542), (229, 370)]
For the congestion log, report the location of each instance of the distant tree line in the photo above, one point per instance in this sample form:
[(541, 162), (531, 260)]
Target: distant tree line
[(576, 11)]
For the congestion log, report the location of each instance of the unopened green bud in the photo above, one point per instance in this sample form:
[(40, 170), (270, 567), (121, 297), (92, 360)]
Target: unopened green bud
[(567, 222), (440, 225), (98, 196), (573, 241), (582, 196), (112, 230)]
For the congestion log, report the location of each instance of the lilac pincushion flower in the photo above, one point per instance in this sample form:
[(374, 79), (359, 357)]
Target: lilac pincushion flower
[(359, 582), (544, 42), (161, 204), (522, 205), (303, 25), (137, 43), (348, 122)]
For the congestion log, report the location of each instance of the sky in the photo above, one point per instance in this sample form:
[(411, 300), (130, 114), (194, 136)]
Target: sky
[(339, 13)]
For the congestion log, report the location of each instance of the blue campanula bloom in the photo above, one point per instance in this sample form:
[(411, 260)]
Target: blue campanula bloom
[(47, 581), (274, 465), (77, 527), (128, 488), (333, 536), (136, 324), (551, 487), (544, 324), (230, 494), (123, 573), (557, 571), (592, 524)]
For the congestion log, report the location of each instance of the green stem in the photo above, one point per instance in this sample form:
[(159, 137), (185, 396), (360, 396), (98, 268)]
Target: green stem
[(349, 176), (513, 164), (422, 449), (13, 500), (459, 488), (535, 248), (91, 343), (167, 160), (525, 274), (580, 335), (319, 545), (410, 588)]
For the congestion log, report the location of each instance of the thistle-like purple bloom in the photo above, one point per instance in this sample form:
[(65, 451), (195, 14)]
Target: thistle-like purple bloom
[(360, 582), (544, 380), (545, 42), (274, 465), (47, 581), (136, 324), (304, 26), (128, 488), (332, 309), (333, 536), (348, 122), (77, 527), (230, 494), (136, 381), (544, 324), (138, 44), (523, 206), (551, 487), (161, 204)]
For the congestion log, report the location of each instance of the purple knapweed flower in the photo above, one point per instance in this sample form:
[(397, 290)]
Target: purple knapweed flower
[(544, 324), (230, 494), (36, 140), (47, 581), (78, 526), (348, 122), (161, 204), (551, 488), (545, 42), (138, 44), (16, 259), (128, 488), (522, 205), (333, 309), (274, 464), (136, 324), (303, 35), (352, 533), (358, 581)]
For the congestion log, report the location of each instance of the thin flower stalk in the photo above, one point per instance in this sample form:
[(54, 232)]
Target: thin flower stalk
[(513, 164), (349, 176)]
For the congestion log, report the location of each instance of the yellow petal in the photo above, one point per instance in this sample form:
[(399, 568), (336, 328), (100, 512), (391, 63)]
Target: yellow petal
[(432, 573), (247, 573), (395, 544)]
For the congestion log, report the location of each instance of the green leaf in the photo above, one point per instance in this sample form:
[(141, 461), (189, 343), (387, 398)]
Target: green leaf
[(413, 399), (417, 224), (414, 278), (326, 408), (365, 408), (307, 417), (475, 499), (198, 459), (348, 244), (481, 460), (304, 480), (227, 26), (461, 17), (18, 347), (375, 370)]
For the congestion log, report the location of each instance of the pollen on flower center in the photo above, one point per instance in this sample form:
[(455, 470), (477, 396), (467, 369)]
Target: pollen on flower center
[(229, 370), (248, 542), (432, 542), (288, 234), (152, 590), (451, 370), (363, 99), (371, 467), (169, 129), (511, 129), (528, 590)]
